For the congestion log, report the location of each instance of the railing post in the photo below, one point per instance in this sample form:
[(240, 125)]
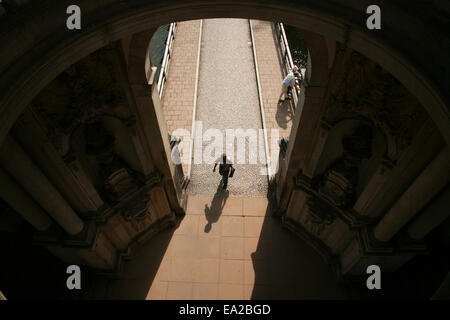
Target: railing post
[(287, 57), (166, 58)]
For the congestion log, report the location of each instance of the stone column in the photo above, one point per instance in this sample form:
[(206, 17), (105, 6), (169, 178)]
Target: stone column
[(433, 215), (305, 129), (308, 136), (432, 179), (66, 173), (397, 171), (296, 205), (149, 115), (373, 187), (14, 159), (22, 203), (134, 126), (311, 165)]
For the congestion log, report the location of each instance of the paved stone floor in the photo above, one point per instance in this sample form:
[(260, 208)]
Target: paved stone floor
[(225, 248), (228, 99), (227, 94)]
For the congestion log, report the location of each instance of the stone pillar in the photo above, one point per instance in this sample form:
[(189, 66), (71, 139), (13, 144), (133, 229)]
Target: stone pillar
[(147, 108), (378, 180), (305, 130), (135, 126), (66, 172), (22, 203), (433, 215), (397, 171), (307, 133), (311, 165), (18, 164), (432, 179), (296, 205)]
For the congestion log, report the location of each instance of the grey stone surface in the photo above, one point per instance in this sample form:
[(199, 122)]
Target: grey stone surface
[(228, 99)]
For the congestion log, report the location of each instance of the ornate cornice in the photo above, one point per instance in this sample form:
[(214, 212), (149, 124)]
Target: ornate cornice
[(107, 212), (352, 218)]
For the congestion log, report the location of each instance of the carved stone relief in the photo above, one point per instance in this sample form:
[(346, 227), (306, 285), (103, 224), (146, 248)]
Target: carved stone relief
[(85, 91), (364, 89), (73, 105)]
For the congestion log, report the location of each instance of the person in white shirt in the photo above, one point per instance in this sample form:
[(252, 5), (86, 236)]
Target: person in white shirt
[(289, 81), (225, 167)]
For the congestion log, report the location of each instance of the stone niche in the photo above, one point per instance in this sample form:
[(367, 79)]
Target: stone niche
[(109, 164)]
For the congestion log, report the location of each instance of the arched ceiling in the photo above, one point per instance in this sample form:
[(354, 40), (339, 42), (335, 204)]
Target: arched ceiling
[(413, 43)]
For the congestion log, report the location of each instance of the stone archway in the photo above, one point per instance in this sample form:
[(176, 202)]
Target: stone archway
[(32, 61)]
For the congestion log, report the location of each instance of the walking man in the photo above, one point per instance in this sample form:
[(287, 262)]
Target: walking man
[(289, 81), (225, 167)]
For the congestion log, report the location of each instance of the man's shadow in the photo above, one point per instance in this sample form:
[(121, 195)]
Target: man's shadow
[(284, 113), (213, 212)]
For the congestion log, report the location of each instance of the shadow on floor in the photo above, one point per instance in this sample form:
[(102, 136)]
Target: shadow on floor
[(284, 113), (285, 267), (213, 212), (138, 273)]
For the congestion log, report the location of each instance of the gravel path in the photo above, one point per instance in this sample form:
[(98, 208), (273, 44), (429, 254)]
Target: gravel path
[(228, 99)]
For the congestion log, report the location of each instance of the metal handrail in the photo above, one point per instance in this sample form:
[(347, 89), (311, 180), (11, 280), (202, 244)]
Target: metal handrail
[(286, 54), (166, 58)]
